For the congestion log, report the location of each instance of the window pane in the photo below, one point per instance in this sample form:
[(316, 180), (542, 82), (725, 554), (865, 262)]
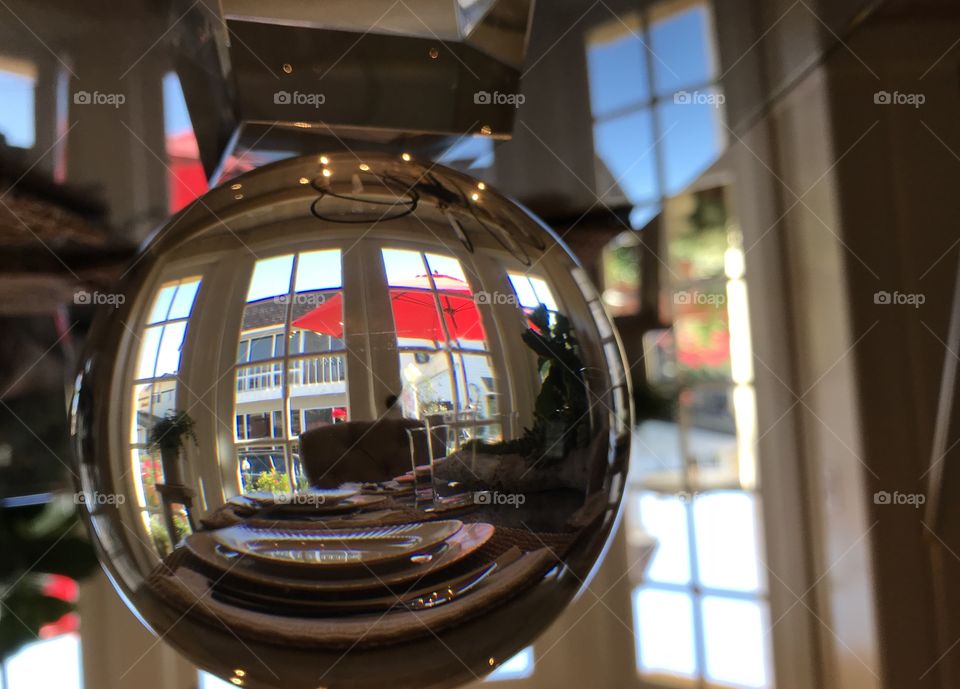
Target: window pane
[(242, 351), (18, 118), (324, 374), (692, 138), (52, 664), (727, 540), (735, 642), (161, 305), (261, 348), (663, 621), (427, 384), (699, 234), (168, 356), (318, 270), (626, 162), (463, 322), (263, 469), (317, 323), (149, 344), (665, 518), (415, 318), (183, 301), (709, 432), (306, 342), (140, 420), (449, 267), (525, 294), (544, 295), (617, 69), (683, 49), (475, 385), (702, 334), (258, 426), (405, 268), (532, 292), (271, 277)]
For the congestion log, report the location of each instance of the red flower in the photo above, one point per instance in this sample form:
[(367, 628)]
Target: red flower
[(61, 587), (65, 625)]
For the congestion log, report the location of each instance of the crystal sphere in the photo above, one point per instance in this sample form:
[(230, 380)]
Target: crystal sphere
[(351, 423)]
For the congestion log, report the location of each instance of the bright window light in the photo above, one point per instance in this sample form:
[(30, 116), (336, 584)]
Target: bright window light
[(404, 268), (727, 540), (532, 292), (208, 681), (665, 518), (735, 639), (18, 81), (519, 666), (52, 664), (318, 270), (663, 621), (271, 278)]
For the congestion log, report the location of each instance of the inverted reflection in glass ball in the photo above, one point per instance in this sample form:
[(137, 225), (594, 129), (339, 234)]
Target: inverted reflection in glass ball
[(363, 422)]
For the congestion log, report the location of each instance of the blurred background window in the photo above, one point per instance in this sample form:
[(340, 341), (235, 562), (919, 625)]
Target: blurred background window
[(18, 83), (156, 380), (657, 121), (53, 663), (700, 610)]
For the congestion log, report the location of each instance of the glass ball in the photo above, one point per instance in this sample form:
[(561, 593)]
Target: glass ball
[(354, 423)]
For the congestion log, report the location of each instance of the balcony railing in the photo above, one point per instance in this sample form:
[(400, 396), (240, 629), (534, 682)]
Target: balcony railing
[(323, 368)]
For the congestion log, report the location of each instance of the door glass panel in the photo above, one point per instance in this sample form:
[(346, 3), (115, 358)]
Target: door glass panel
[(183, 299), (271, 277), (51, 664), (404, 268), (682, 46), (664, 517), (318, 270), (626, 159), (693, 136), (427, 384), (726, 539), (664, 632), (161, 304), (168, 356), (447, 266), (735, 633), (617, 65)]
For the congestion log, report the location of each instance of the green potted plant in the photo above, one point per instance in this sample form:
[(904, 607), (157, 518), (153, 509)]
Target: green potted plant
[(168, 435)]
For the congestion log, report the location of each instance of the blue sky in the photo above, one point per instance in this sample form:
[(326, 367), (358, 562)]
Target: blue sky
[(677, 50)]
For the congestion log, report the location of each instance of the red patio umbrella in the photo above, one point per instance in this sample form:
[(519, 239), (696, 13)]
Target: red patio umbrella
[(414, 312)]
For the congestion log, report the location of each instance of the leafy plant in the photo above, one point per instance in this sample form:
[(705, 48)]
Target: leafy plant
[(273, 481), (169, 432), (37, 541), (560, 410), (158, 530)]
